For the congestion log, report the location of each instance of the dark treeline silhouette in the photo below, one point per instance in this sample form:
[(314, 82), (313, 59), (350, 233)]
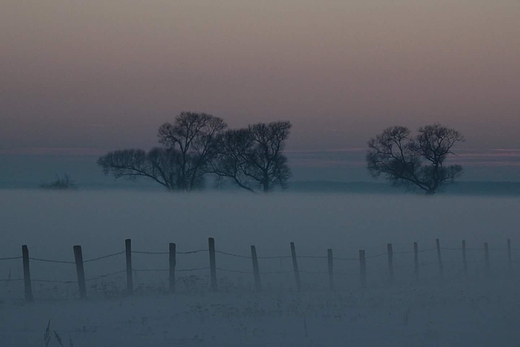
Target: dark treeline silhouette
[(198, 144), (414, 162)]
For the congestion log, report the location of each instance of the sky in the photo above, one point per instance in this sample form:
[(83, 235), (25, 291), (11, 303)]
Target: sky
[(88, 77)]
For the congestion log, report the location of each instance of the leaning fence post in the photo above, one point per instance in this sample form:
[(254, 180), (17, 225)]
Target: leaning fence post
[(509, 253), (295, 267), (27, 274), (129, 278), (256, 269), (78, 257), (172, 261), (486, 255), (212, 264), (390, 262), (464, 259), (362, 268), (331, 268), (416, 260), (439, 258)]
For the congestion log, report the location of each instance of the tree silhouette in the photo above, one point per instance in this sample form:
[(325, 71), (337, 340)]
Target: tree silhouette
[(415, 163), (252, 158), (189, 147), (159, 164), (193, 136)]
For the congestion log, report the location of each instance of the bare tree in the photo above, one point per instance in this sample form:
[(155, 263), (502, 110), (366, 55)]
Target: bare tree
[(230, 162), (159, 164), (414, 162), (193, 136), (189, 147), (253, 158)]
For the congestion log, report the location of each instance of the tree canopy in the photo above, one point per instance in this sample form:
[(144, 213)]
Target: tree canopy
[(415, 162), (197, 144)]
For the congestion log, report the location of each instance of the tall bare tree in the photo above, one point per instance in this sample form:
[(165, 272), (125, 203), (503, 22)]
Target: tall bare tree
[(193, 136), (189, 147), (414, 162), (253, 158), (230, 162)]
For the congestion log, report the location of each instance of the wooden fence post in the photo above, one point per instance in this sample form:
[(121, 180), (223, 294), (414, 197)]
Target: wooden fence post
[(212, 264), (78, 257), (486, 255), (27, 274), (439, 258), (172, 262), (129, 278), (331, 268), (390, 251), (256, 269), (416, 260), (295, 267), (464, 259), (362, 269), (509, 253)]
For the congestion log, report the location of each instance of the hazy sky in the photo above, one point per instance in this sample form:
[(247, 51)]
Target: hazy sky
[(105, 74)]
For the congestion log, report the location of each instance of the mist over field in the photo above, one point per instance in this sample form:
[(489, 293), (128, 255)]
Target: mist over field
[(52, 222), (431, 310)]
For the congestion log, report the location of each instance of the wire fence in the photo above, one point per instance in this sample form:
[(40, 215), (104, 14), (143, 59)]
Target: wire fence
[(383, 266)]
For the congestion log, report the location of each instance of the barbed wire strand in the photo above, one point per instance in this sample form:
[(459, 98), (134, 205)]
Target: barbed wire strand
[(149, 252), (311, 256), (194, 269), (275, 257), (54, 281), (103, 257), (52, 261), (235, 271), (105, 275), (233, 255), (376, 256)]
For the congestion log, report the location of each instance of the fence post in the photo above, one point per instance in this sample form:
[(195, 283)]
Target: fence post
[(362, 269), (509, 253), (390, 250), (439, 258), (27, 274), (464, 259), (295, 267), (331, 268), (172, 261), (129, 278), (416, 260), (256, 269), (212, 264), (78, 257), (486, 255)]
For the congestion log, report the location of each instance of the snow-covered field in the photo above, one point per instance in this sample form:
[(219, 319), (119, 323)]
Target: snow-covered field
[(429, 311)]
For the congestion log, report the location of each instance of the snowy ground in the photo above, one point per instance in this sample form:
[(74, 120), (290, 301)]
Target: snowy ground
[(479, 311)]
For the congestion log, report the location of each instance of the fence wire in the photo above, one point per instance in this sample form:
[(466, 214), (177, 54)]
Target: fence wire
[(449, 263), (103, 257), (233, 255), (52, 261), (105, 275)]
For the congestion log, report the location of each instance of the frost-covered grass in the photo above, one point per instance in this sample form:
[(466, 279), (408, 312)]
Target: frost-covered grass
[(454, 315), (480, 311)]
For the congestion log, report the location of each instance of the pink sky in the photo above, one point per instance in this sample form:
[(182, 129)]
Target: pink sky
[(105, 74)]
